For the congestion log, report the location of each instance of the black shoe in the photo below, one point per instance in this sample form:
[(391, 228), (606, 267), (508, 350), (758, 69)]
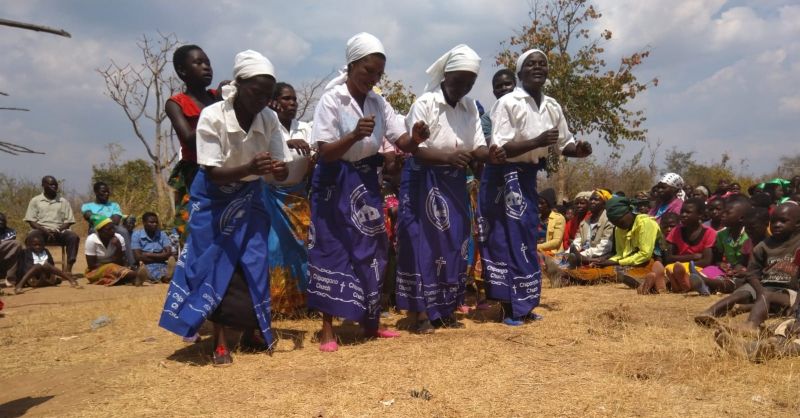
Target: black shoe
[(424, 327), (221, 358), (448, 322)]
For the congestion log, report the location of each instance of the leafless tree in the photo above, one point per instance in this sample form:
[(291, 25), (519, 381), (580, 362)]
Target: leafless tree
[(141, 91), (308, 94)]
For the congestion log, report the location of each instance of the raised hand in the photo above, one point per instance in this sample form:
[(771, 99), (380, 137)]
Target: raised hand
[(420, 132), (583, 149), (301, 146), (279, 170), (547, 138), (459, 159), (497, 155), (260, 165), (364, 127)]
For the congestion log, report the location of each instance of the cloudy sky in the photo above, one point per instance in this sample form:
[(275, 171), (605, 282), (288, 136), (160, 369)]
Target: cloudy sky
[(729, 71)]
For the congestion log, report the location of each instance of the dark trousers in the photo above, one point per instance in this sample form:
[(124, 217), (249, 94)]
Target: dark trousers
[(68, 239)]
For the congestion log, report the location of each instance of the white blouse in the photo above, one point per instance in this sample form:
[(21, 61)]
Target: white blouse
[(221, 142), (337, 114), (296, 163), (452, 128), (516, 117)]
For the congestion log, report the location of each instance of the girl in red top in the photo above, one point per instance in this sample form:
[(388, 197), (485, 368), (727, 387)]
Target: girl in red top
[(183, 109), (691, 245)]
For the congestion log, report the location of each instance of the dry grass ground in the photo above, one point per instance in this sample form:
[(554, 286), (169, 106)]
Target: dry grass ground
[(601, 351)]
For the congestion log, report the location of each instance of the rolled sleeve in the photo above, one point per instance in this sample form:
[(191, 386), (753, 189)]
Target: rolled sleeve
[(503, 130), (326, 120)]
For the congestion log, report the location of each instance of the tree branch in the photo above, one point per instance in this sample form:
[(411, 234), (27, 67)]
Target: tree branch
[(34, 27)]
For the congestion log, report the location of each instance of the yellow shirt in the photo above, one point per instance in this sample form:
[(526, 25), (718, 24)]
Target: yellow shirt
[(637, 245), (556, 224)]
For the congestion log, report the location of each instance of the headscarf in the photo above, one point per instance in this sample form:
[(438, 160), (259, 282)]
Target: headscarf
[(603, 193), (247, 64), (586, 195), (703, 190), (672, 180), (359, 46), (521, 59), (99, 221), (460, 58), (617, 207)]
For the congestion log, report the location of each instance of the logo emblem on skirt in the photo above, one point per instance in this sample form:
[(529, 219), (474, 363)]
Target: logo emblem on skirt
[(515, 202), (232, 213), (483, 229), (366, 218), (437, 210)]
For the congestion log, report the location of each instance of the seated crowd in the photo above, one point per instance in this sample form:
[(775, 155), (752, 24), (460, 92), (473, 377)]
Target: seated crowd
[(115, 252)]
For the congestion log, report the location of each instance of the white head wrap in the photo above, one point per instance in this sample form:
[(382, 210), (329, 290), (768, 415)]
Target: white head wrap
[(247, 64), (583, 195), (460, 58), (672, 179), (521, 59), (703, 190), (359, 46)]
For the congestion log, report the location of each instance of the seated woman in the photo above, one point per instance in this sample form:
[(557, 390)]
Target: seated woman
[(579, 209), (593, 243), (35, 265), (102, 206), (690, 246), (105, 255), (637, 240), (552, 223)]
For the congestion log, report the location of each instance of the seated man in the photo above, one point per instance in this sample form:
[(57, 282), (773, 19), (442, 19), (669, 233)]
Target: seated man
[(103, 207), (52, 215), (9, 251), (152, 247), (105, 251)]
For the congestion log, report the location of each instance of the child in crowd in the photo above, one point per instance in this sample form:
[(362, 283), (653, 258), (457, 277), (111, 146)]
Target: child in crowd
[(36, 267), (152, 248), (690, 245), (714, 209), (772, 279), (745, 294)]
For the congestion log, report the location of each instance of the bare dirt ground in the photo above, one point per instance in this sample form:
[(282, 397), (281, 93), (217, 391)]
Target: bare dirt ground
[(600, 351)]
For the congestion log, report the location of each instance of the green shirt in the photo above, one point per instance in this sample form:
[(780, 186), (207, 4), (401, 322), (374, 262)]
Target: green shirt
[(731, 249), (637, 246), (50, 214)]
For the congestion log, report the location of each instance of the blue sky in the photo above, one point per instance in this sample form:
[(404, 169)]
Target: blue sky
[(729, 71)]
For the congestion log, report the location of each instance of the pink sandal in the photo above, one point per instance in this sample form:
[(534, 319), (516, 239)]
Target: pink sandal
[(382, 333), (329, 347)]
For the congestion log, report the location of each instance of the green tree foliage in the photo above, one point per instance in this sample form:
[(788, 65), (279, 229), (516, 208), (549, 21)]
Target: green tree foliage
[(15, 195), (594, 97), (131, 183), (397, 94)]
